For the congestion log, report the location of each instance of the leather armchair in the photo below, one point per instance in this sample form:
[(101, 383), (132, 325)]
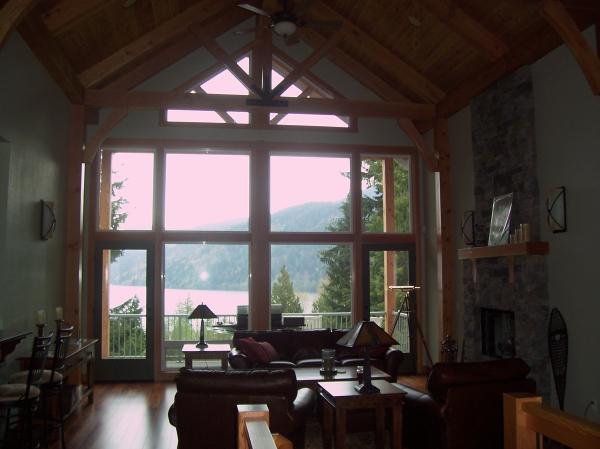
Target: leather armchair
[(462, 408), (204, 411)]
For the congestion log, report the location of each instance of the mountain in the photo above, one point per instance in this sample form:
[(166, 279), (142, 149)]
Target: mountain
[(200, 266)]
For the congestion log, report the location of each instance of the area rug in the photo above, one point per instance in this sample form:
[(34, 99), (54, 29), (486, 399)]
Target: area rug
[(363, 440)]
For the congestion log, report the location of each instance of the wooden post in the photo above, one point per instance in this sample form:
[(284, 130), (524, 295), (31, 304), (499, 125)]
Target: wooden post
[(389, 225), (249, 412), (357, 250), (516, 433), (259, 300), (446, 248), (74, 224)]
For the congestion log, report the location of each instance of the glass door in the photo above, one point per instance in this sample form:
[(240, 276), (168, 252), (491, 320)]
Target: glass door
[(387, 265), (123, 312)]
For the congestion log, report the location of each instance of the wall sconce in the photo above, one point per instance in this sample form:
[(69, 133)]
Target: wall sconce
[(48, 220), (556, 208), (467, 228)]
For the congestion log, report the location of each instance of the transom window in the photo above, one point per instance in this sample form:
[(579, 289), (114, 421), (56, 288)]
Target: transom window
[(225, 83)]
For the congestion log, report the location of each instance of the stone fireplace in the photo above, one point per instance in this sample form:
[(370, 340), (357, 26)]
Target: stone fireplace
[(504, 159)]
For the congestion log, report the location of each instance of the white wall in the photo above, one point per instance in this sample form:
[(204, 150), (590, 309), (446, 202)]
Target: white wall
[(568, 145), (567, 126)]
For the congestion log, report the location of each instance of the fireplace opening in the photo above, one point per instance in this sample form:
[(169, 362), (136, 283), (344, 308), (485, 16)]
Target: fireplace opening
[(497, 332)]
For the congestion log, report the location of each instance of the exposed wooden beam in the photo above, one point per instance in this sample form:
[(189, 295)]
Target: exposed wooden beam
[(262, 65), (66, 12), (171, 54), (527, 50), (46, 49), (355, 108), (383, 90), (306, 64), (154, 64), (466, 26), (304, 94), (93, 145), (11, 15), (430, 158), (446, 252), (228, 61), (74, 229), (407, 75), (206, 74), (162, 35), (559, 18)]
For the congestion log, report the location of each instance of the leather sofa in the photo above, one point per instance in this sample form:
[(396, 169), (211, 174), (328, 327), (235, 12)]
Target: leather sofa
[(205, 414), (302, 348), (462, 408)]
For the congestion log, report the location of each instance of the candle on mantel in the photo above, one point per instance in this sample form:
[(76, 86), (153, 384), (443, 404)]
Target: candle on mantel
[(41, 317), (59, 313)]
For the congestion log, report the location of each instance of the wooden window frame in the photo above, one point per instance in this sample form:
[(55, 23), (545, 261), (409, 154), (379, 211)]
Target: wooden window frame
[(259, 236)]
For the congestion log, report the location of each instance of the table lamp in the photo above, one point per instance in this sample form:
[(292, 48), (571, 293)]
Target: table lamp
[(203, 312), (366, 334)]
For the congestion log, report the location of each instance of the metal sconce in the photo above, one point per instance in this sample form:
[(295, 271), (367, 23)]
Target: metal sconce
[(48, 220), (556, 208)]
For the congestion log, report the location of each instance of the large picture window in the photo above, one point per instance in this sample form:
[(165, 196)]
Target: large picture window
[(245, 229)]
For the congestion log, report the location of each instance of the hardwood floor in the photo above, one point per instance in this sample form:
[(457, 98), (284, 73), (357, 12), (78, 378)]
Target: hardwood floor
[(124, 416)]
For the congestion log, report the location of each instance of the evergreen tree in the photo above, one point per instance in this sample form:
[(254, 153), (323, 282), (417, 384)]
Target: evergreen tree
[(182, 326), (127, 334), (117, 217), (282, 293), (336, 289)]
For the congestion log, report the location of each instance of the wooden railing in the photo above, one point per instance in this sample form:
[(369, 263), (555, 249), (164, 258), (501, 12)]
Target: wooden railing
[(253, 429), (526, 421)]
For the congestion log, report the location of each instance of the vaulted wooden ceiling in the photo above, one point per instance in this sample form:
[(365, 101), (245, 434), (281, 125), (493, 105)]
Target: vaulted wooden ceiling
[(441, 52)]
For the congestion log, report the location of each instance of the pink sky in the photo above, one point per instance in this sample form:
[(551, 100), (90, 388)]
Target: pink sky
[(205, 189)]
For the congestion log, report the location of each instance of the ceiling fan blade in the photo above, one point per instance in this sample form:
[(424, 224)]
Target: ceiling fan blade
[(322, 24), (254, 9)]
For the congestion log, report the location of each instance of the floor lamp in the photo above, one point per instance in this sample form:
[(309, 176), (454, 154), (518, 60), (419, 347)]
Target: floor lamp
[(405, 307)]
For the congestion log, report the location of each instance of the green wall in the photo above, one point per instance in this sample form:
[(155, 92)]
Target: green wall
[(33, 142)]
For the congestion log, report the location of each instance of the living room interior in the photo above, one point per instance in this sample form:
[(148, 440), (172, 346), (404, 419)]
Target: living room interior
[(268, 170)]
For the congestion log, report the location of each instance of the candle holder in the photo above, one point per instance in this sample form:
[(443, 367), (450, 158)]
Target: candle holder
[(41, 328)]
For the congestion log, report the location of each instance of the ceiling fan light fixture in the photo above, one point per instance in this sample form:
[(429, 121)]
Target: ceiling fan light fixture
[(285, 28)]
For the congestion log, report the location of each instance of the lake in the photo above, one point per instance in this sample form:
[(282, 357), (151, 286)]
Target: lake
[(221, 302)]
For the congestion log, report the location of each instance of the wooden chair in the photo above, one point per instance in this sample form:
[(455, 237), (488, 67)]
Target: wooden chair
[(20, 399)]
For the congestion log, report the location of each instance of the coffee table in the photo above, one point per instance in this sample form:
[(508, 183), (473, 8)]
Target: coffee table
[(309, 377), (211, 352), (339, 397)]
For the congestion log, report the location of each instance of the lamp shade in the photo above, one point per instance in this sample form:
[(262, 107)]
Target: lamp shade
[(202, 311), (364, 334)]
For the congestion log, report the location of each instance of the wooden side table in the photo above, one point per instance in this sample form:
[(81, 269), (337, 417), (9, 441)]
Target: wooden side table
[(211, 352), (339, 397)]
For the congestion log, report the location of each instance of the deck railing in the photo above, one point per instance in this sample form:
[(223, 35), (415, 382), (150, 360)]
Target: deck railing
[(128, 331)]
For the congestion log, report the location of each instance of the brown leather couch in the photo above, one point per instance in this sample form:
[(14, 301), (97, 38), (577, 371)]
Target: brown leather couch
[(205, 413), (302, 348), (463, 406)]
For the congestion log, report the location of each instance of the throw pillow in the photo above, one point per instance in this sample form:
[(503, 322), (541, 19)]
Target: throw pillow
[(253, 350), (269, 350)]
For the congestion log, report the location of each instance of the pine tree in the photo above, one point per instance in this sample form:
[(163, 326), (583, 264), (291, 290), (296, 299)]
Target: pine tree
[(335, 290), (282, 293), (127, 334)]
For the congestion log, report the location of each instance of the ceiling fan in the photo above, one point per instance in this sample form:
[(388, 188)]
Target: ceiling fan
[(286, 21)]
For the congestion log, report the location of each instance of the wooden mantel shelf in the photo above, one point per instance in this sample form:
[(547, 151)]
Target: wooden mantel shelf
[(508, 251)]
